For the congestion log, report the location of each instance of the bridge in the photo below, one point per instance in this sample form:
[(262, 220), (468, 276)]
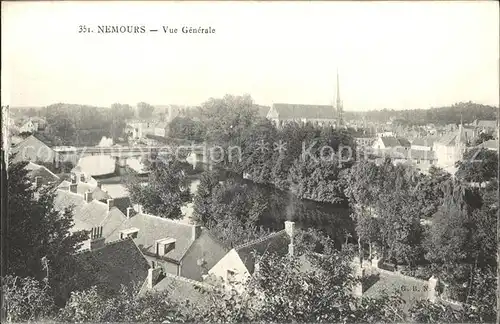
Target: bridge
[(122, 153)]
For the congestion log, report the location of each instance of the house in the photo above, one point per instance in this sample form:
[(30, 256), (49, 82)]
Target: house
[(450, 149), (40, 175), (486, 126), (34, 150), (29, 127), (421, 160), (423, 143), (281, 114), (180, 249), (490, 145), (109, 266), (365, 141), (239, 264), (390, 142), (160, 129)]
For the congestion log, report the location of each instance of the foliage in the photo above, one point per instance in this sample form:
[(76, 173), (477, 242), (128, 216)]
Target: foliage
[(478, 165), (185, 127), (26, 299), (430, 190), (123, 307), (236, 211), (310, 288), (202, 211), (482, 137), (165, 191), (38, 238), (469, 111), (119, 115), (145, 110)]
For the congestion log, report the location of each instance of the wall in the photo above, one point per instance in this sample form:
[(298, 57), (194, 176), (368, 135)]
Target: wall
[(231, 261), (204, 247)]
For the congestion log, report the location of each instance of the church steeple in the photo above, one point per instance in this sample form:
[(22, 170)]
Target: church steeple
[(339, 105)]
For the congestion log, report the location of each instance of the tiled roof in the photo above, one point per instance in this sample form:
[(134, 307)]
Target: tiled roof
[(65, 199), (451, 139), (182, 290), (412, 154), (81, 187), (99, 194), (274, 243), (117, 263), (93, 213), (487, 123), (41, 171), (390, 141), (115, 190), (153, 228), (293, 111), (206, 248), (32, 149), (423, 141), (112, 222)]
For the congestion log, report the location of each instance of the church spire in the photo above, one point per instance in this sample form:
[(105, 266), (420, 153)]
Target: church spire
[(339, 106)]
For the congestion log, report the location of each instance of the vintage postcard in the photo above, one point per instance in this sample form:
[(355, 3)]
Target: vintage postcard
[(268, 162)]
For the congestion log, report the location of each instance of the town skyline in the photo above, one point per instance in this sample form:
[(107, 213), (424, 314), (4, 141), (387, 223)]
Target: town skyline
[(389, 55)]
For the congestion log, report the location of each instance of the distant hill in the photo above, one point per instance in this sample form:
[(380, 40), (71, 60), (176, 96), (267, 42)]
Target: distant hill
[(440, 116)]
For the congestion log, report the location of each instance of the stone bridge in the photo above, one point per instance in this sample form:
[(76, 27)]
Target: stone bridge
[(196, 153)]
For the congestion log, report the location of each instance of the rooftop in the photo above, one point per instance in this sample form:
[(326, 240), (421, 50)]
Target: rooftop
[(115, 264), (274, 243), (298, 111)]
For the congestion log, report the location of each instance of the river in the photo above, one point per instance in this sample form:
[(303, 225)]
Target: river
[(333, 219)]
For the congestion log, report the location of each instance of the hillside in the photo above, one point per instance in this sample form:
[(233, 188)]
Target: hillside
[(441, 116)]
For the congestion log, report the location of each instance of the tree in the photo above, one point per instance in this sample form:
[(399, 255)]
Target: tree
[(119, 115), (236, 212), (305, 288), (26, 299), (165, 191), (462, 238), (483, 137), (478, 165), (430, 190), (202, 199), (145, 110), (38, 238), (186, 128)]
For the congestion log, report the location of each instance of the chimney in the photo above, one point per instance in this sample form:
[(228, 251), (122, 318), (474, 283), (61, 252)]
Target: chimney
[(195, 231), (82, 177), (111, 203), (138, 208), (99, 185), (153, 275), (72, 187), (96, 239), (73, 178), (290, 230), (130, 212), (38, 181), (88, 196)]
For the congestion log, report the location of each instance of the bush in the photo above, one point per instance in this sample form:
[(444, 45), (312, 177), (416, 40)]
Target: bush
[(26, 299)]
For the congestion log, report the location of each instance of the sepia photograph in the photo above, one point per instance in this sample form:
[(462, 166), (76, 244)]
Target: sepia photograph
[(250, 161)]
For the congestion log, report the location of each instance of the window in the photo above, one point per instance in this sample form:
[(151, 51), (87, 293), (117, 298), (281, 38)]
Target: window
[(231, 275), (418, 161)]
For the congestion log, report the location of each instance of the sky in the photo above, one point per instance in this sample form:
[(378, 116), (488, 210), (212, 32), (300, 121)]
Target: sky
[(395, 55)]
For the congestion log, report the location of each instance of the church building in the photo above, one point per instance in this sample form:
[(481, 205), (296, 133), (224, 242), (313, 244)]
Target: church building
[(323, 115)]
